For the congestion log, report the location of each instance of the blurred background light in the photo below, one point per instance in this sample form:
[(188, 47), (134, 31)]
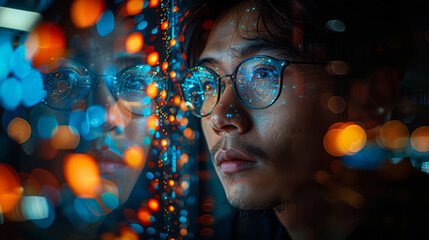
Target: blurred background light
[(394, 134), (85, 13), (81, 174), (65, 137), (18, 19), (420, 139), (135, 157), (35, 207), (106, 24), (46, 42), (10, 93), (32, 88), (19, 130), (47, 126), (134, 7), (10, 188), (134, 42)]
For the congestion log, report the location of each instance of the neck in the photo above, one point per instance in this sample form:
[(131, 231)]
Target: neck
[(310, 216)]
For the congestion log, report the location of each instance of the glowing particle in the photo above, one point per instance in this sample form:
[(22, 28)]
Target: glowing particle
[(134, 157), (420, 139), (10, 188), (171, 183), (106, 24), (164, 142), (164, 66), (163, 94), (134, 42), (134, 7), (164, 25), (153, 58), (84, 13), (173, 42), (81, 174), (152, 90), (19, 130), (344, 139), (172, 74), (153, 205), (171, 208)]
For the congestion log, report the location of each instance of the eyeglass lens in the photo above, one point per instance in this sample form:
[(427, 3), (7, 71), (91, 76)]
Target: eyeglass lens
[(140, 89), (256, 81)]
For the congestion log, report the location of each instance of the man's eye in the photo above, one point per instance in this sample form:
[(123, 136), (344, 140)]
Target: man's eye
[(263, 72), (134, 83)]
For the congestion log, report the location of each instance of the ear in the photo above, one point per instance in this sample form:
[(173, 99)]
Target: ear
[(378, 97)]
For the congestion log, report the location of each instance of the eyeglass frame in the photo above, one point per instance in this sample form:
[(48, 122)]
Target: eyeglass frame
[(233, 76), (113, 90)]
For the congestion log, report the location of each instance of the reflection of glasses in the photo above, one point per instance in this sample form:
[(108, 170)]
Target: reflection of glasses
[(140, 89), (256, 81)]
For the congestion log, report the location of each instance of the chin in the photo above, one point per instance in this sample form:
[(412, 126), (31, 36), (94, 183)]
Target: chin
[(245, 198)]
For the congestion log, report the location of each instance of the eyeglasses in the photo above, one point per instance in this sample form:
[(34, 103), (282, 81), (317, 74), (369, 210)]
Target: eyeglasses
[(257, 82), (140, 89)]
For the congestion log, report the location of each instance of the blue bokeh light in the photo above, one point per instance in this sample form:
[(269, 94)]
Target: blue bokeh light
[(10, 93), (110, 200), (32, 88), (106, 24), (46, 126), (19, 66), (96, 116)]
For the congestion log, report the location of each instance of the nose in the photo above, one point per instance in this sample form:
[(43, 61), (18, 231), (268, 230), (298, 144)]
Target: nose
[(102, 97), (229, 116)]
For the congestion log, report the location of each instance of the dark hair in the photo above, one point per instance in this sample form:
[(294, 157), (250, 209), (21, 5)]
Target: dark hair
[(363, 33)]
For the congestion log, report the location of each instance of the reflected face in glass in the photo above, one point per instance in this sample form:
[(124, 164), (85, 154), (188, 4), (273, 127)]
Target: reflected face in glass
[(102, 91), (264, 157)]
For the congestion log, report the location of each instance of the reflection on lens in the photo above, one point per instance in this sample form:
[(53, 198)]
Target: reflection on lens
[(200, 90), (257, 81), (142, 89), (68, 83)]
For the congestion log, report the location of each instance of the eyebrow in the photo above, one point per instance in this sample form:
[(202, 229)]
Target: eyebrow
[(250, 48)]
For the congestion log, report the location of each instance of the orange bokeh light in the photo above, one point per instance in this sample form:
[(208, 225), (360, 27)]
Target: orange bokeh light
[(172, 74), (164, 66), (134, 157), (171, 118), (153, 205), (153, 122), (152, 90), (420, 139), (144, 216), (134, 42), (85, 13), (163, 94), (172, 42), (394, 134), (164, 25), (10, 188), (345, 139), (188, 133), (164, 142), (153, 3), (65, 138), (170, 183), (19, 130), (153, 58), (134, 7), (81, 174), (46, 42)]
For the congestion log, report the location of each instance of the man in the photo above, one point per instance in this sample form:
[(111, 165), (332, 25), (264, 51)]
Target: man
[(260, 71)]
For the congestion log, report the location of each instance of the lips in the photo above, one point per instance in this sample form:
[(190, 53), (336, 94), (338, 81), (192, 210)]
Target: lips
[(234, 161), (108, 162)]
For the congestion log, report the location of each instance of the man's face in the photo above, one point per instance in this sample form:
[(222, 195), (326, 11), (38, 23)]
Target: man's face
[(264, 157), (121, 129)]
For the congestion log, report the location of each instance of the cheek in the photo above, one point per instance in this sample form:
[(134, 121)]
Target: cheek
[(136, 131), (207, 130)]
